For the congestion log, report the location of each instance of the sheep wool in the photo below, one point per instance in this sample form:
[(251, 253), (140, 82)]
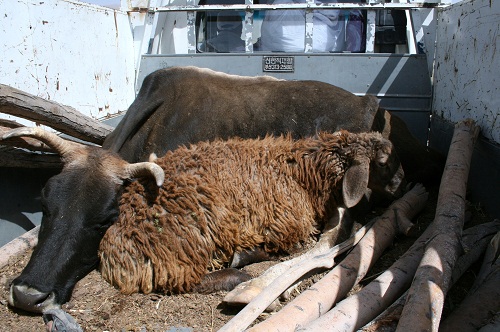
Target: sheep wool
[(222, 197)]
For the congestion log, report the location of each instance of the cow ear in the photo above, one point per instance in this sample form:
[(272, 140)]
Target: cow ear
[(355, 182)]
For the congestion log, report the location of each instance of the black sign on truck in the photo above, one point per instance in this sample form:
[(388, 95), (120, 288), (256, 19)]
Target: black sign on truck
[(278, 64)]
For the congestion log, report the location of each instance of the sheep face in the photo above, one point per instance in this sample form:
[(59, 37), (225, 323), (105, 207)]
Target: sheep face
[(375, 167), (386, 172)]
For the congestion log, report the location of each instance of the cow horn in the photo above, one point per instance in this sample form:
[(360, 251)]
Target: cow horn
[(62, 146), (146, 169)]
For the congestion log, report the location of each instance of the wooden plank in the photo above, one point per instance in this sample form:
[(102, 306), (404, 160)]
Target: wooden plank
[(63, 118)]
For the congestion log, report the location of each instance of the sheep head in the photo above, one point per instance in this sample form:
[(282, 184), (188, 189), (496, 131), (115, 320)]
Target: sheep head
[(371, 163)]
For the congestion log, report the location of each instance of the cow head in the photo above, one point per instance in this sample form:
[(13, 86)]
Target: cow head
[(79, 205)]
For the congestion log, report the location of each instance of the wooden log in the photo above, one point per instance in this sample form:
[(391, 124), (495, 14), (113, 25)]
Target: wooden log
[(62, 118), (491, 262), (483, 300), (361, 308), (19, 245), (423, 309), (387, 321), (475, 240), (247, 291), (320, 297), (12, 157), (21, 142), (289, 274)]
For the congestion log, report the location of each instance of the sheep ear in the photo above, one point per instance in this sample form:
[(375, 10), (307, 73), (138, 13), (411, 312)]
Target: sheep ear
[(355, 182)]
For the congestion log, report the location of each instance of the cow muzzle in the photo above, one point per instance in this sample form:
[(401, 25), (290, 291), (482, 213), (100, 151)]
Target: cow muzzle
[(31, 299)]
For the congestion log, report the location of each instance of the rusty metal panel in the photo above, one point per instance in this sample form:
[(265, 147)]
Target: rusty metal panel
[(466, 80), (75, 53)]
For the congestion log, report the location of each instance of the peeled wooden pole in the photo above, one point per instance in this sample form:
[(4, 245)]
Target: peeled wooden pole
[(320, 297), (491, 262), (360, 308), (483, 299), (387, 321), (245, 292), (423, 309), (290, 273), (17, 246), (475, 240)]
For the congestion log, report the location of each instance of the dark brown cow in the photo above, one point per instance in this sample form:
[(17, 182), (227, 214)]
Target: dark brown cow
[(182, 105), (178, 106)]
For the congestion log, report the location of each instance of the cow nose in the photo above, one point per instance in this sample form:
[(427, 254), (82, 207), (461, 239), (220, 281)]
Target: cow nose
[(29, 299)]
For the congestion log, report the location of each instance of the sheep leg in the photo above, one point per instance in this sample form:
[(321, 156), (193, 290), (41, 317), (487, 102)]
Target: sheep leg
[(249, 256), (225, 279), (337, 229)]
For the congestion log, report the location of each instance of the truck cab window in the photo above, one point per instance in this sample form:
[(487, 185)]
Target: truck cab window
[(220, 31), (334, 30)]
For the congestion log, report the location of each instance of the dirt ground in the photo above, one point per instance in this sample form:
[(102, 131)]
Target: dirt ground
[(97, 306)]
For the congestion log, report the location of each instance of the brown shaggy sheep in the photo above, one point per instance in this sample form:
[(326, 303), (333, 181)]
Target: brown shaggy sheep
[(222, 197)]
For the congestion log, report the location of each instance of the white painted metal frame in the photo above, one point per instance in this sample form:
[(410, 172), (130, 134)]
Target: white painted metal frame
[(191, 20), (248, 28), (309, 6)]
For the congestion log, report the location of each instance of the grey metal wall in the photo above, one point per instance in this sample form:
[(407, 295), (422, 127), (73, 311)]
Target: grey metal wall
[(467, 65), (401, 81), (467, 85), (20, 207)]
